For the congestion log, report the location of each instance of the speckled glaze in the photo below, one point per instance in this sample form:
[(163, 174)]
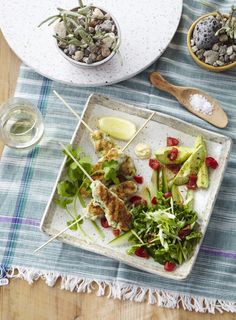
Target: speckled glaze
[(147, 27), (155, 133)]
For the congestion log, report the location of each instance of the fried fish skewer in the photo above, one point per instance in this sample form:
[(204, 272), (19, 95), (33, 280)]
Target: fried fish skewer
[(126, 165), (114, 208), (102, 142), (116, 213), (124, 190)]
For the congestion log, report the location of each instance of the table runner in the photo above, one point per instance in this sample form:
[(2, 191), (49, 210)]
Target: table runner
[(27, 179)]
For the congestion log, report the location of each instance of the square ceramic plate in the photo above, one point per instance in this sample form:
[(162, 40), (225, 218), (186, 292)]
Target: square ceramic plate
[(155, 133)]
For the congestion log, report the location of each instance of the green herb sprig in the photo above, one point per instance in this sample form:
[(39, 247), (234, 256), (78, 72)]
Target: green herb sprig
[(69, 189), (111, 171)]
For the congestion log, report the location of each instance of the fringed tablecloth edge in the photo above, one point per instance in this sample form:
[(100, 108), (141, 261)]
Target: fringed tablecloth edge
[(123, 291)]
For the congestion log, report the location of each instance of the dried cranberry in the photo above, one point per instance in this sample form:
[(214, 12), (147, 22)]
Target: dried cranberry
[(184, 231), (142, 252), (104, 222), (192, 182), (169, 266), (211, 162), (121, 178), (135, 199), (154, 164), (116, 232), (167, 195), (173, 154), (138, 179), (154, 200), (174, 167), (171, 142)]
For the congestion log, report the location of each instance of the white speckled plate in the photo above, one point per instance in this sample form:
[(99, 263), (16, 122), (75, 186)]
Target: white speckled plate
[(147, 27), (155, 133)]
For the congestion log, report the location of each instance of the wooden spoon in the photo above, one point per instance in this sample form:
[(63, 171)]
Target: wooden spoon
[(218, 117)]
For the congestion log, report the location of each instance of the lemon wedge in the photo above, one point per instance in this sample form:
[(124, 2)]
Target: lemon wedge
[(117, 128)]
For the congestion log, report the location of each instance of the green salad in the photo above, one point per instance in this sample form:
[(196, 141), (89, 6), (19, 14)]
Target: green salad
[(166, 231)]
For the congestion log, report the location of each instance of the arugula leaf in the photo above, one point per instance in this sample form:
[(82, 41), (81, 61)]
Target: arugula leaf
[(111, 170)]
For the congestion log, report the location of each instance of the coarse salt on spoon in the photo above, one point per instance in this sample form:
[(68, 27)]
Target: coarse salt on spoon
[(194, 100)]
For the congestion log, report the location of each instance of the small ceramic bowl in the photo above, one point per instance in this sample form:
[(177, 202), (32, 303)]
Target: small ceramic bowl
[(193, 55), (98, 63)]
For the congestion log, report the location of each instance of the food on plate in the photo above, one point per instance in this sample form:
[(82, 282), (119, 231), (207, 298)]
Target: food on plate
[(191, 166), (187, 166), (127, 168), (102, 142), (143, 151), (161, 223), (94, 211), (164, 225), (202, 176), (182, 154), (172, 142), (118, 128), (113, 167), (125, 189), (115, 210), (166, 231)]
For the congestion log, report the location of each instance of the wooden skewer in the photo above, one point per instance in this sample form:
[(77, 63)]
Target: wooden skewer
[(78, 164), (135, 135), (58, 234), (73, 111)]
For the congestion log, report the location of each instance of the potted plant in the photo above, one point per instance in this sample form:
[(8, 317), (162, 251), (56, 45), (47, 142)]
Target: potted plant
[(212, 41), (86, 36)]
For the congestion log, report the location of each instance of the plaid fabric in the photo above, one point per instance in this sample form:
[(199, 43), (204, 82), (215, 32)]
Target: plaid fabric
[(27, 178)]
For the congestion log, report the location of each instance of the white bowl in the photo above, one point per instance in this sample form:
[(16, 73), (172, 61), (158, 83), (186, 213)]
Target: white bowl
[(98, 63)]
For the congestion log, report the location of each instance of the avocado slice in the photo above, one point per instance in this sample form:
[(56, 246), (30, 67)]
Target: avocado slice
[(183, 155), (176, 195), (164, 181), (199, 142), (191, 166), (202, 176), (189, 200)]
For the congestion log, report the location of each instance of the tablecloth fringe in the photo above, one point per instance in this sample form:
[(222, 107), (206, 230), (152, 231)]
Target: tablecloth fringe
[(124, 291)]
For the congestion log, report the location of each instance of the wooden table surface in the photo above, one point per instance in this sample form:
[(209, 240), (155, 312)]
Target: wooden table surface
[(20, 301)]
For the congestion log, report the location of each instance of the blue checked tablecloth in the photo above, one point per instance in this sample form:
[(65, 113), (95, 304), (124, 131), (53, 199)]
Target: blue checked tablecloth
[(27, 179)]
